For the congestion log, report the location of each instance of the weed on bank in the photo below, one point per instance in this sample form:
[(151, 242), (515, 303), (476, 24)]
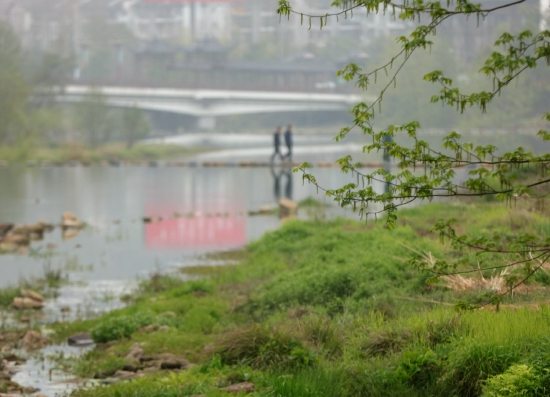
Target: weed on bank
[(332, 309)]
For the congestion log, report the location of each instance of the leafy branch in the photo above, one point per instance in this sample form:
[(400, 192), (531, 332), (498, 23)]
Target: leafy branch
[(428, 173)]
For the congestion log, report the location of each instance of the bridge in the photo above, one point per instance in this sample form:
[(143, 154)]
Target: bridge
[(206, 105)]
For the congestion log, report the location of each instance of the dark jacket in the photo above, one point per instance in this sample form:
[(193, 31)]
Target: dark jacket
[(288, 138), (277, 139)]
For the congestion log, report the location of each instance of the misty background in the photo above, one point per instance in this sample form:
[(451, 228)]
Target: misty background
[(237, 46)]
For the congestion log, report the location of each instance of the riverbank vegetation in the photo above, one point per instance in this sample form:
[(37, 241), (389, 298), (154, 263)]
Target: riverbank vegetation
[(333, 308), (84, 154)]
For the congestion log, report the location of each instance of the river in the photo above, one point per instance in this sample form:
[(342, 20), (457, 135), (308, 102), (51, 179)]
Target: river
[(193, 211)]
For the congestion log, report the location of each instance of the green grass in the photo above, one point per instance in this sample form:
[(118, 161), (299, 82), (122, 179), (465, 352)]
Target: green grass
[(332, 309)]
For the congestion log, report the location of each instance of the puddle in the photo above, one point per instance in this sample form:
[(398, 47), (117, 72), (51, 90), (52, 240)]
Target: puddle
[(42, 372)]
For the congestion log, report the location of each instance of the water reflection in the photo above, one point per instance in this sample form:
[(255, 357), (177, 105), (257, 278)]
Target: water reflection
[(282, 175), (197, 231), (194, 210)]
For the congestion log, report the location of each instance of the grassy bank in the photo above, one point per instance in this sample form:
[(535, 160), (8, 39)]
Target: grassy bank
[(85, 154), (333, 309)]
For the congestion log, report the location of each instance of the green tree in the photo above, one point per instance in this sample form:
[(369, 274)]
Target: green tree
[(133, 125), (14, 91), (93, 118), (427, 172)]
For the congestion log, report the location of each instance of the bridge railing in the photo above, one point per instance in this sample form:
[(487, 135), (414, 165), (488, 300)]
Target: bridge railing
[(230, 84)]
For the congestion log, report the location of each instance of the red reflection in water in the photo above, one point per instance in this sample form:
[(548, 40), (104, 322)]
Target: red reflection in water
[(198, 231)]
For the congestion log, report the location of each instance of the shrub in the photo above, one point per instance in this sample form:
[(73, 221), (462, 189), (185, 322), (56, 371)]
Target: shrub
[(387, 341), (419, 368), (470, 364), (120, 327), (517, 381), (443, 331), (262, 347), (370, 381), (322, 333)]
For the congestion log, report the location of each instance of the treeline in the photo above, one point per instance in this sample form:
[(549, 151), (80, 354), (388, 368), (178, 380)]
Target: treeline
[(30, 117)]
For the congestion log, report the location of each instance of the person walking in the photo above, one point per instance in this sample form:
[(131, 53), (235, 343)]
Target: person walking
[(288, 142), (277, 145)]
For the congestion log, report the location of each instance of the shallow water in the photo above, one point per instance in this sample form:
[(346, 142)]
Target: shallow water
[(202, 210)]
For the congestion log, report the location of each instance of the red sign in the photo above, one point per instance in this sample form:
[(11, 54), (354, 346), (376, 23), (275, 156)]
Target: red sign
[(200, 230), (193, 1), (196, 233)]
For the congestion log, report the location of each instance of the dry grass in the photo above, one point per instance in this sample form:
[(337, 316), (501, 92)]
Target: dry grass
[(456, 282), (497, 283)]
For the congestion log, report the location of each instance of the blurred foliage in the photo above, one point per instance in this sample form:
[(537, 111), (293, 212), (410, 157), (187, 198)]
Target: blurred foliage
[(14, 90)]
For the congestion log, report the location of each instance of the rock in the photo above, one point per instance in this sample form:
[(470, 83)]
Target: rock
[(14, 359), (21, 229), (136, 353), (5, 228), (4, 376), (166, 361), (38, 229), (163, 328), (130, 368), (80, 340), (149, 328), (8, 246), (266, 209), (147, 219), (41, 395), (27, 303), (18, 239), (287, 208), (33, 340), (68, 233), (125, 375), (69, 220), (10, 395), (245, 387), (28, 293), (30, 390), (65, 309)]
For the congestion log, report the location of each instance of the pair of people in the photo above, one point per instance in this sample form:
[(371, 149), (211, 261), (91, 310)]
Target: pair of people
[(277, 144)]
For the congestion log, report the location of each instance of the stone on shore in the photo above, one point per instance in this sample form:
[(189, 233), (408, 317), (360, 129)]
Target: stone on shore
[(27, 293), (5, 228), (165, 361), (82, 339), (135, 354), (27, 303), (33, 340), (17, 239), (124, 375), (69, 220), (287, 208)]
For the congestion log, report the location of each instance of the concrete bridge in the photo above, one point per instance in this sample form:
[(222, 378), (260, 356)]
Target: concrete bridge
[(206, 105)]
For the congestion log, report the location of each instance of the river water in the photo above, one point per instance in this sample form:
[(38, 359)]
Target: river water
[(193, 211)]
